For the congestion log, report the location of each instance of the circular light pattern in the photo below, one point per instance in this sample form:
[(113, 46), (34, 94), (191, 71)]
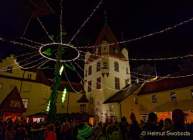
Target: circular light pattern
[(68, 52)]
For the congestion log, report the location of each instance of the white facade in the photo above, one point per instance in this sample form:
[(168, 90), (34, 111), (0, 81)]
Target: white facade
[(113, 69)]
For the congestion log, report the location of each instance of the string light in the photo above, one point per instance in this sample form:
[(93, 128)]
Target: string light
[(62, 60), (64, 95), (27, 25), (61, 70), (48, 106), (167, 29), (17, 43), (44, 28), (84, 23), (61, 21), (31, 41)]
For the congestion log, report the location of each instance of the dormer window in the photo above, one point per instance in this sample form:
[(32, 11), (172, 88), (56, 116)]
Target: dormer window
[(98, 68), (154, 98), (10, 69), (116, 66), (173, 97)]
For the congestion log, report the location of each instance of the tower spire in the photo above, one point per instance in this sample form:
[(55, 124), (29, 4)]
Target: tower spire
[(105, 18)]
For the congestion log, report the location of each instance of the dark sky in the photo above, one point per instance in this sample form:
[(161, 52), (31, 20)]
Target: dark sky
[(127, 19)]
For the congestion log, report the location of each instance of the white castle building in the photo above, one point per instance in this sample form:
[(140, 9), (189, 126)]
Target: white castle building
[(106, 71)]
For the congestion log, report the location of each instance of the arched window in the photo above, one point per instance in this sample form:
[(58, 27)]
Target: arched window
[(116, 66)]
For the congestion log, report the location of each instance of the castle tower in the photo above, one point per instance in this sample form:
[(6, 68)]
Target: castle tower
[(105, 72)]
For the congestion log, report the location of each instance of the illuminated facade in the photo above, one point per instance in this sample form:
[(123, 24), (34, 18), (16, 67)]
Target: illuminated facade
[(161, 96), (105, 71), (35, 89)]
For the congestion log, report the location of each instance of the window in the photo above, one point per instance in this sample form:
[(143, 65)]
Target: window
[(98, 66), (29, 76), (10, 69), (98, 84), (117, 83), (173, 97), (82, 107), (89, 70), (105, 65), (127, 81), (25, 102), (127, 70), (116, 66), (89, 86), (154, 99)]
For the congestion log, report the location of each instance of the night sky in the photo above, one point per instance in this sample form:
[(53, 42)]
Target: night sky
[(127, 19)]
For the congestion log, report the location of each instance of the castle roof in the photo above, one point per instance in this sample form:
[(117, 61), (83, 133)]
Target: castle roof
[(149, 87), (12, 102)]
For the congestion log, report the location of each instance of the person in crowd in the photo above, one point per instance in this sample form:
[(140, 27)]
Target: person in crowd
[(50, 133), (84, 131), (124, 128), (66, 131), (160, 125), (21, 132), (135, 130), (1, 130), (10, 132), (167, 124), (151, 126)]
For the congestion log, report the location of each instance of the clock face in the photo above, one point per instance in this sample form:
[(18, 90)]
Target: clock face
[(67, 52)]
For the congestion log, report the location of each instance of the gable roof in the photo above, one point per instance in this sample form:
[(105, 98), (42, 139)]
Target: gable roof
[(83, 99), (123, 93), (13, 102), (106, 34), (166, 84), (151, 87)]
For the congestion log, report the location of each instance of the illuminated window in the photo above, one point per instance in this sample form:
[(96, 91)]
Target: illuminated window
[(173, 97), (10, 69), (116, 66), (89, 70), (82, 107), (89, 86), (98, 66), (117, 83), (98, 84), (25, 102), (154, 99), (105, 65)]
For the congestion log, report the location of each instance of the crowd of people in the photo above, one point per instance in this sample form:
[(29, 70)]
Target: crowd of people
[(174, 128)]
